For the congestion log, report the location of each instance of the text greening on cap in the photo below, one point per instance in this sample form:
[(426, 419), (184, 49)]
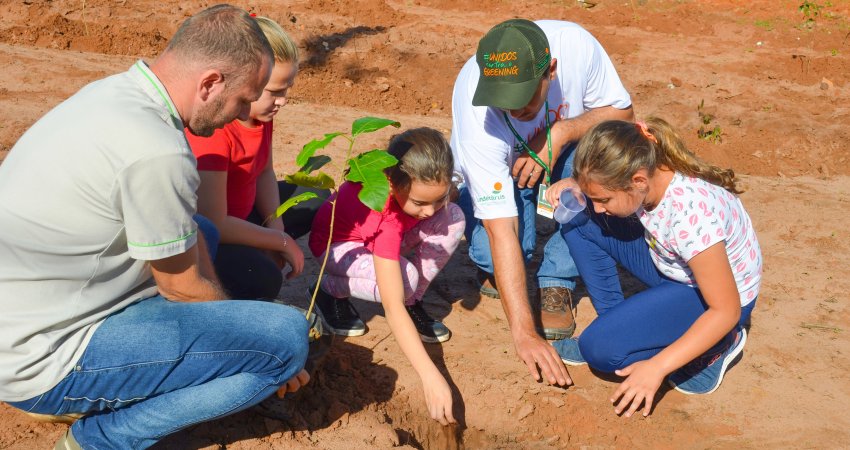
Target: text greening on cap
[(512, 57)]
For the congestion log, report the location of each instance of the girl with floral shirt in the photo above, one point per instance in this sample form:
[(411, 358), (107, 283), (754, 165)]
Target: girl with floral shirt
[(674, 222)]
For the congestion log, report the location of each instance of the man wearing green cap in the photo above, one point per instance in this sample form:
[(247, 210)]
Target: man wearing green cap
[(519, 106)]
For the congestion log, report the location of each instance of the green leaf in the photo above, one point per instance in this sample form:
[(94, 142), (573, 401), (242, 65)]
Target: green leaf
[(315, 163), (311, 147), (366, 165), (370, 124), (320, 181), (292, 201), (375, 193), (368, 169)]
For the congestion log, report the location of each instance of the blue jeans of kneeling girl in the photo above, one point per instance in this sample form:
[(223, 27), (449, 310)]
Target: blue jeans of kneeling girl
[(627, 331)]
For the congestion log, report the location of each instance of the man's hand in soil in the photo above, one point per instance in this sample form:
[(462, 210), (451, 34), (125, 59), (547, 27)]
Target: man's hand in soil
[(294, 383), (536, 352), (510, 277)]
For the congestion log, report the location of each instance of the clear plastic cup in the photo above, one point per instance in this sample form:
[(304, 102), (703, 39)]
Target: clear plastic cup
[(569, 206)]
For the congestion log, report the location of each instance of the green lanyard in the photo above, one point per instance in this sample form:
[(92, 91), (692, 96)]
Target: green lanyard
[(161, 94), (525, 144)]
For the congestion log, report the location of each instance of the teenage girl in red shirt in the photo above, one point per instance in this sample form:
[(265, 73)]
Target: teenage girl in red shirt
[(239, 192)]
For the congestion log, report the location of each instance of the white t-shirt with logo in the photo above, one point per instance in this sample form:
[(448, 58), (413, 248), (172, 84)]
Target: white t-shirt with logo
[(694, 215), (483, 145)]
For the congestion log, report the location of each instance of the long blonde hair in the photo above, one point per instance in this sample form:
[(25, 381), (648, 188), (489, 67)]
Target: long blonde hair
[(283, 46), (613, 151)]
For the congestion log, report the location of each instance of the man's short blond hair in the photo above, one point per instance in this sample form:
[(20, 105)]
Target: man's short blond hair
[(223, 37)]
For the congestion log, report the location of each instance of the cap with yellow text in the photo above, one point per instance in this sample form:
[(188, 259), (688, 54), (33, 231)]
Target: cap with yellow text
[(512, 57)]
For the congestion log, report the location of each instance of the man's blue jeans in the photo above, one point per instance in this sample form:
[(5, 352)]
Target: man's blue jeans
[(158, 366), (557, 268), (637, 328)]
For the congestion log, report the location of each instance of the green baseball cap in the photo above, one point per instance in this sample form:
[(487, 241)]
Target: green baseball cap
[(512, 58)]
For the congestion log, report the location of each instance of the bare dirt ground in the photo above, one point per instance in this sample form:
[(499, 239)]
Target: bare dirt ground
[(772, 78)]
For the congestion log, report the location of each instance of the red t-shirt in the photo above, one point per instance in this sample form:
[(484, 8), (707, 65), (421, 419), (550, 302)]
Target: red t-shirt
[(242, 152), (381, 232)]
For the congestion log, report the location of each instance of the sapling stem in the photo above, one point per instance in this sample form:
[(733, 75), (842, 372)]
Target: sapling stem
[(367, 169), (330, 238)]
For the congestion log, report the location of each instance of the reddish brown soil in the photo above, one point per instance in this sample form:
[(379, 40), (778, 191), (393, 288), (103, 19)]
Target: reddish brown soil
[(776, 87)]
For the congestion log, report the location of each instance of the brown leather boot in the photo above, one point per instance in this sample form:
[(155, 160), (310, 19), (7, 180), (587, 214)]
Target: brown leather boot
[(556, 313)]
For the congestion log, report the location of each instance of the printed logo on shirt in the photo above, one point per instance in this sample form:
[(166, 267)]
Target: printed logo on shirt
[(496, 196)]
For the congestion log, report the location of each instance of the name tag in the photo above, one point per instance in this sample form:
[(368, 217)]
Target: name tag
[(544, 208)]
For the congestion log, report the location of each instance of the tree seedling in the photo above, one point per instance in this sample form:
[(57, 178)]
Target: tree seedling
[(365, 168), (812, 11), (706, 131)]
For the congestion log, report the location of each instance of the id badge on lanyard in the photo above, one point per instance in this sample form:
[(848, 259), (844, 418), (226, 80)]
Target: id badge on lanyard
[(544, 208)]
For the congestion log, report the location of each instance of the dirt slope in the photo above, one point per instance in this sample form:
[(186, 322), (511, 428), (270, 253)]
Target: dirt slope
[(774, 84)]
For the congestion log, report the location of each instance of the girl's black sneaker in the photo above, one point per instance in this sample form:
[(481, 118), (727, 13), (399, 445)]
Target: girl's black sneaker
[(430, 330), (339, 315)]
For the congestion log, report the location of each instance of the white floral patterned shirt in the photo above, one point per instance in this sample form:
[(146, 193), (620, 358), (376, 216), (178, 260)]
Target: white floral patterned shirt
[(694, 215)]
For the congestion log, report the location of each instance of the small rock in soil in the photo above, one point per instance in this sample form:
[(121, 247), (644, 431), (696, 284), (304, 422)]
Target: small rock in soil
[(524, 411)]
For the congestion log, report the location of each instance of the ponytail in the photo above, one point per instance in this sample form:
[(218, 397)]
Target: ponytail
[(613, 151), (674, 154)]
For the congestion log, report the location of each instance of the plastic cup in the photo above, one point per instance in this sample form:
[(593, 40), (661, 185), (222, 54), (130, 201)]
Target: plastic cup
[(569, 206)]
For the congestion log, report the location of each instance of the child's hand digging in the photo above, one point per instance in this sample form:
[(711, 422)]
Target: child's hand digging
[(438, 398)]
